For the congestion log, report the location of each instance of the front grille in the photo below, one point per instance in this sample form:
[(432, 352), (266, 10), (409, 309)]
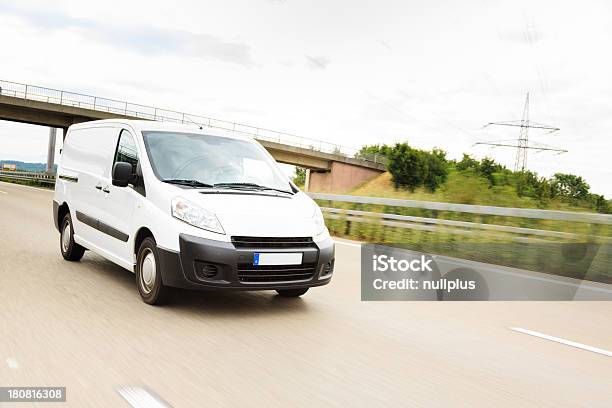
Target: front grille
[(272, 242), (249, 273)]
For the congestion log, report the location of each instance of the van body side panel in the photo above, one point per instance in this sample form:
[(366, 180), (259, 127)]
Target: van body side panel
[(86, 158), (118, 206)]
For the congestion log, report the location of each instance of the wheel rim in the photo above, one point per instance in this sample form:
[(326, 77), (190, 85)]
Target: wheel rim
[(66, 236), (148, 271)]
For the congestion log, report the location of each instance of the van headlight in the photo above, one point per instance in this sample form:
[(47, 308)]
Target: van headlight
[(195, 215), (319, 221)]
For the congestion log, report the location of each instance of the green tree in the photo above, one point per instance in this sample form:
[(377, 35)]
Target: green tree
[(299, 177), (600, 203), (488, 167), (412, 168), (405, 166), (435, 169), (569, 186), (526, 183), (467, 162), (372, 152)]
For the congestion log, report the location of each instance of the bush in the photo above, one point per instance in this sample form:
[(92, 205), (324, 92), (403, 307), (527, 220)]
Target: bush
[(412, 168), (569, 186)]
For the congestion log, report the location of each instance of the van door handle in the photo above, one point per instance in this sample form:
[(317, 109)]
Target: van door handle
[(106, 190), (98, 187)]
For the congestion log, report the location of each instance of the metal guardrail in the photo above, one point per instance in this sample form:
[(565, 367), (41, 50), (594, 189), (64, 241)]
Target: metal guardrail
[(430, 224), (27, 175), (461, 227), (57, 96), (473, 209)]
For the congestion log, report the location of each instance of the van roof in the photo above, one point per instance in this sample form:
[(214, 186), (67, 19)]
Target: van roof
[(151, 125)]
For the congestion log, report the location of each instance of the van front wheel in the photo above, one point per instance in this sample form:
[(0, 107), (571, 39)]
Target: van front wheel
[(148, 274), (71, 251)]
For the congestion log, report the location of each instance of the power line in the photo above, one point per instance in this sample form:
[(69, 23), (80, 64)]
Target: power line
[(522, 143)]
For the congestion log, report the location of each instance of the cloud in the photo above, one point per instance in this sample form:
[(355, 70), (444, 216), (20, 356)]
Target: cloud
[(529, 34), (140, 39), (317, 62)]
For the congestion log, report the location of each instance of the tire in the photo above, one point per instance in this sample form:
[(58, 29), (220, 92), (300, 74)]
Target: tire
[(291, 292), (71, 251), (148, 274)]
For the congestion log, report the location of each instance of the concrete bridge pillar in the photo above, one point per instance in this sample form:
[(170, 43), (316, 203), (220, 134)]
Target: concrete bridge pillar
[(51, 151), (307, 180)]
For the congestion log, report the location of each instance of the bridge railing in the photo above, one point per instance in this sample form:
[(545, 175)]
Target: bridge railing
[(60, 97)]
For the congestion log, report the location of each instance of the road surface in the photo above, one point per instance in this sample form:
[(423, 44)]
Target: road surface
[(83, 326)]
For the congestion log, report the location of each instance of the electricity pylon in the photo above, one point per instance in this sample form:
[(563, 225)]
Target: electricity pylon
[(522, 143)]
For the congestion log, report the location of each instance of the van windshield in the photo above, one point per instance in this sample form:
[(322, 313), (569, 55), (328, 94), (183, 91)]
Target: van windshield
[(204, 160)]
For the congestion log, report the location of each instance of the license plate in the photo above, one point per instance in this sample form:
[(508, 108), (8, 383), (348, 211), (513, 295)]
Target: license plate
[(261, 258)]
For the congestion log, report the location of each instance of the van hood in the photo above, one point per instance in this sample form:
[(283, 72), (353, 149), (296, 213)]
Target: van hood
[(255, 214)]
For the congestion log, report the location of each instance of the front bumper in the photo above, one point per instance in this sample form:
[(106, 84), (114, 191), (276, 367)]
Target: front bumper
[(203, 263)]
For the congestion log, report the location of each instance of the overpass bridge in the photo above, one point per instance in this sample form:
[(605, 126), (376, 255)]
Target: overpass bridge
[(330, 167)]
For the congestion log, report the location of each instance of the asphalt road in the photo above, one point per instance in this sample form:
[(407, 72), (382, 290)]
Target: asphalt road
[(83, 326)]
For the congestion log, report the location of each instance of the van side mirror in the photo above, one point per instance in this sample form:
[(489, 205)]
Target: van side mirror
[(122, 174)]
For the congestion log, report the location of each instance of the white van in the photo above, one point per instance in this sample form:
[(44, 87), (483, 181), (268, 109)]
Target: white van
[(190, 208)]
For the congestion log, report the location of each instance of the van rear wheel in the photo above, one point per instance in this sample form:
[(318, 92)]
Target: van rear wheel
[(148, 274), (291, 292), (71, 251)]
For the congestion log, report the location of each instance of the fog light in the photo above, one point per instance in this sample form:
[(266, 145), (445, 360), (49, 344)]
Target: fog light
[(204, 270), (327, 270)]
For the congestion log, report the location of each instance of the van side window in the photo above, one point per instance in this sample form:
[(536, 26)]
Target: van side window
[(126, 150)]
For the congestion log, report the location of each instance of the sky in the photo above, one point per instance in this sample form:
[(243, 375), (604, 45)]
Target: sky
[(431, 73)]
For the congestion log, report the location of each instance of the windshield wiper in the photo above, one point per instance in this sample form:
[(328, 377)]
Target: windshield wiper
[(187, 182), (250, 186)]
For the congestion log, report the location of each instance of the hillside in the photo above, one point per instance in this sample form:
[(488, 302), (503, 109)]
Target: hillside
[(460, 189), (25, 166)]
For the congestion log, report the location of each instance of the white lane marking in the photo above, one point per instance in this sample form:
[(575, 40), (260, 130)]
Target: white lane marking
[(139, 397), (3, 192), (12, 363), (563, 341), (348, 244)]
